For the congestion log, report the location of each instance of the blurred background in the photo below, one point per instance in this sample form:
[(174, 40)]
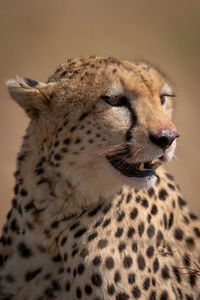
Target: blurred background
[(38, 35)]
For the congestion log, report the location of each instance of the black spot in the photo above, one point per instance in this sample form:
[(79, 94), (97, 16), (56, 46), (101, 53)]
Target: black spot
[(164, 295), (146, 283), (122, 296), (131, 278), (56, 144), (134, 247), (120, 216), (109, 262), (186, 260), (136, 292), (16, 189), (149, 218), (181, 202), (152, 295), (169, 176), (134, 213), (190, 297), (97, 260), (192, 279), (77, 141), (23, 250), (111, 289), (102, 243), (57, 157), (83, 253), (171, 220), (57, 258), (88, 289), (83, 116), (67, 141), (55, 224), (73, 128), (162, 194), (80, 232), (138, 198), (130, 232), (176, 273), (65, 256), (67, 286), (106, 223), (117, 276), (159, 238), (107, 208), (1, 260), (92, 236), (78, 292), (49, 293), (56, 285), (39, 171), (30, 275), (155, 265), (31, 82), (14, 226), (119, 232), (96, 280), (154, 210), (121, 246), (81, 269), (190, 242), (93, 212), (193, 216), (165, 272), (151, 231), (145, 203), (128, 198), (197, 231), (98, 223), (150, 251), (151, 192), (75, 251), (165, 220), (141, 228), (74, 226), (171, 186), (141, 262), (63, 73), (178, 234), (63, 241), (127, 262), (23, 192), (74, 273)]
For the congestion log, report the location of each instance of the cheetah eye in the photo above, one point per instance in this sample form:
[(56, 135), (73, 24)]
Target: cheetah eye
[(163, 98), (114, 101)]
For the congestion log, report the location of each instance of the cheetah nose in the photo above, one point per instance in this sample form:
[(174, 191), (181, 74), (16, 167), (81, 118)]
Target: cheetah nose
[(164, 138)]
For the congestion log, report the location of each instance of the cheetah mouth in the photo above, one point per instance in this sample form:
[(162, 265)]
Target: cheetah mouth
[(142, 169)]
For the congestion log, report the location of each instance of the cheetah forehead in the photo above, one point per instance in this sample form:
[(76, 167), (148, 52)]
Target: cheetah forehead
[(84, 67)]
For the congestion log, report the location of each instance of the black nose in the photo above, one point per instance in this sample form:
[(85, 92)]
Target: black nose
[(164, 139)]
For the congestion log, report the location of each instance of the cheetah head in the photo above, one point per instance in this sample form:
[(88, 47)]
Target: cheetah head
[(101, 123)]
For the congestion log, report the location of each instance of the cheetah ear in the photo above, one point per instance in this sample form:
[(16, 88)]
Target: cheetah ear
[(33, 96)]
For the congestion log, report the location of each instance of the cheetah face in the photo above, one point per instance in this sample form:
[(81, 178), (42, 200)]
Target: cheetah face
[(103, 122), (147, 144)]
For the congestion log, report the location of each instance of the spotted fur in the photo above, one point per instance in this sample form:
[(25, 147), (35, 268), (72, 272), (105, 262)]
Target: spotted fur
[(77, 229)]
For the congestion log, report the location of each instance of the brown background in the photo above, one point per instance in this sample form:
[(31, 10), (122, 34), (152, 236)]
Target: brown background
[(37, 35)]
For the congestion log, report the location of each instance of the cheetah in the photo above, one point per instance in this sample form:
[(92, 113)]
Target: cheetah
[(95, 216)]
